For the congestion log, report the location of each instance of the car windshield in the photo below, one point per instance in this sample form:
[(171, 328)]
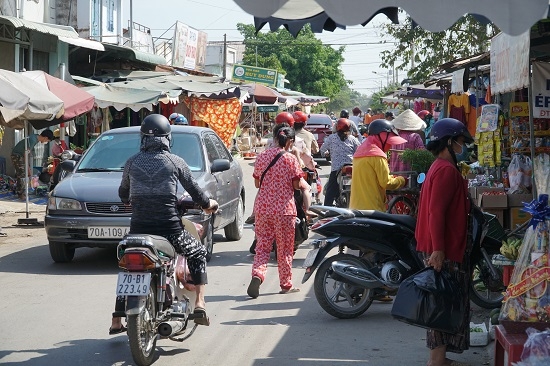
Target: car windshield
[(111, 151)]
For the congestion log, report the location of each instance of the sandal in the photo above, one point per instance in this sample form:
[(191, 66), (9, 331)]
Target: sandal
[(202, 318), (113, 331), (290, 291)]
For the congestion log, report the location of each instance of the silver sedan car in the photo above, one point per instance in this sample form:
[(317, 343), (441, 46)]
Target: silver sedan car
[(84, 209)]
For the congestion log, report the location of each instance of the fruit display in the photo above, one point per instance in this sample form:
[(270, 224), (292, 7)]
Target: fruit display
[(510, 248)]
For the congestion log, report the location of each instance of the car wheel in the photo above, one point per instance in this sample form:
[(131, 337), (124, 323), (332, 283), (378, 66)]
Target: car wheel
[(61, 252), (208, 241), (234, 231)]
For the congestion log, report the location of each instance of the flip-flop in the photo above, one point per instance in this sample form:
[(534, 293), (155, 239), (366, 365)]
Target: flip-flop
[(122, 329), (254, 287), (203, 318), (290, 291)]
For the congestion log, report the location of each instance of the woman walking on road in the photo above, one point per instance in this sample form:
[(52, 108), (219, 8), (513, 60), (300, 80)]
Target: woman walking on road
[(276, 174), (442, 228), (341, 146)]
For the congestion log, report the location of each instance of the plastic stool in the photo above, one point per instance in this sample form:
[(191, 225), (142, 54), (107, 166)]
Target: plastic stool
[(508, 347)]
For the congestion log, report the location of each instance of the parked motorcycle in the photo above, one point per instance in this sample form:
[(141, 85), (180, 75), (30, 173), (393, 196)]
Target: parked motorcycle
[(345, 283), (312, 178), (57, 172), (158, 304)]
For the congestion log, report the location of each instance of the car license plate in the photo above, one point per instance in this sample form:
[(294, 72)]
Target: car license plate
[(310, 258), (107, 232), (133, 284)]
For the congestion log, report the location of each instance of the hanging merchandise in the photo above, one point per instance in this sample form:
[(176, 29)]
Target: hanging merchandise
[(519, 174), (489, 118), (541, 169)]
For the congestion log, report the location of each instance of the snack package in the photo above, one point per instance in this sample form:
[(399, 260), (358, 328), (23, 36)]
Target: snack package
[(527, 297)]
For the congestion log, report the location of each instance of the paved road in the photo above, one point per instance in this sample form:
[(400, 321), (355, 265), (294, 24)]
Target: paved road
[(53, 314)]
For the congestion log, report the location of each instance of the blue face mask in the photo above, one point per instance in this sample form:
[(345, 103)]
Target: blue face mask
[(463, 155)]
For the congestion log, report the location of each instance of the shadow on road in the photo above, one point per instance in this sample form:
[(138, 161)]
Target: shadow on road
[(37, 260), (98, 351)]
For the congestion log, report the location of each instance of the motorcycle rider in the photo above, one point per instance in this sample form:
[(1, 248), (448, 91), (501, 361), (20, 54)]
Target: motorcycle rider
[(341, 146), (149, 184), (353, 128), (371, 174), (300, 121)]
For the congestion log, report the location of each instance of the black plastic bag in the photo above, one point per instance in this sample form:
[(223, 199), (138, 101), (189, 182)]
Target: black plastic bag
[(430, 299), (301, 228)]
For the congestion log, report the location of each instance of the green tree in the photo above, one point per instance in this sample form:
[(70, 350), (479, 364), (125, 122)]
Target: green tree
[(347, 98), (309, 66), (465, 38), (376, 99)]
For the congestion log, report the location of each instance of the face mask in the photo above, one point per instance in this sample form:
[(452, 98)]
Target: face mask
[(463, 155)]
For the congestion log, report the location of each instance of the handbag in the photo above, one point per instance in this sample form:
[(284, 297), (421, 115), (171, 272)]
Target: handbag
[(301, 228), (430, 299)]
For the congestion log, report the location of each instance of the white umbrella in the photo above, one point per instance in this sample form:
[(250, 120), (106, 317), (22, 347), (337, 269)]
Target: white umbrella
[(22, 99)]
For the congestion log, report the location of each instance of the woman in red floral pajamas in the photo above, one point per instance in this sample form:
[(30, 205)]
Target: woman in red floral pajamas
[(275, 211)]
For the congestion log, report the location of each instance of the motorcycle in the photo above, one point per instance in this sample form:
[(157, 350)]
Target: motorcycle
[(345, 284), (344, 185), (312, 178), (56, 170), (159, 303)]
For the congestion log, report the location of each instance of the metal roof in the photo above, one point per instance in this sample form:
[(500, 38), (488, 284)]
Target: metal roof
[(53, 29)]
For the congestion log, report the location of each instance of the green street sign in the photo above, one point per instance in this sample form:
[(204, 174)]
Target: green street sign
[(251, 74), (246, 108), (267, 108)]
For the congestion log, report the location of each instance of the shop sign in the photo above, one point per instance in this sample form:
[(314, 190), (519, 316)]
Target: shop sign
[(189, 47), (509, 62), (519, 109), (541, 90), (267, 108), (251, 74)]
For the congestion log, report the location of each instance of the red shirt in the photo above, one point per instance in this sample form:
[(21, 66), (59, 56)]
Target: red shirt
[(443, 212)]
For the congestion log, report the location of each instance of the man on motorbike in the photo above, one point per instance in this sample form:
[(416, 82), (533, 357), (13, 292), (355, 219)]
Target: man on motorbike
[(149, 184)]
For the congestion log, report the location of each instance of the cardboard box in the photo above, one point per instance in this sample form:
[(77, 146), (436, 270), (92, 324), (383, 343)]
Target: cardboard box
[(516, 217), (498, 213), (516, 200), (480, 190), (492, 201)]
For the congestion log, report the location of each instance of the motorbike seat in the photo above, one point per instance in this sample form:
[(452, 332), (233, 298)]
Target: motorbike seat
[(405, 220), (159, 242)]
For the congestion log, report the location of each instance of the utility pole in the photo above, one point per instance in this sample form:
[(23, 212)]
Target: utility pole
[(224, 56)]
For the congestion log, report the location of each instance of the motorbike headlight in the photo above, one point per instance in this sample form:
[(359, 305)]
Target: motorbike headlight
[(67, 154), (59, 203)]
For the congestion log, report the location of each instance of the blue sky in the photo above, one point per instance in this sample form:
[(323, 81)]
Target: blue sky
[(219, 17)]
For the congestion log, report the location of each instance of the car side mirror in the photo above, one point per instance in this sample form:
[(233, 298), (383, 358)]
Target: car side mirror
[(220, 165), (68, 165)]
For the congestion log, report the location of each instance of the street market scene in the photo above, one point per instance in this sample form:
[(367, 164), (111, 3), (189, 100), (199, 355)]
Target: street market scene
[(258, 182)]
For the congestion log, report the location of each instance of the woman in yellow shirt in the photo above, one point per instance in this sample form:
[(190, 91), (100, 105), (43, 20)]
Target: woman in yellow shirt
[(371, 173)]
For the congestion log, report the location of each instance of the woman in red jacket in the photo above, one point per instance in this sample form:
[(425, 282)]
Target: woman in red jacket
[(442, 226)]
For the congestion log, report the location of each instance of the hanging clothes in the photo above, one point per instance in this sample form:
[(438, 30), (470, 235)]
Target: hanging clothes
[(459, 100)]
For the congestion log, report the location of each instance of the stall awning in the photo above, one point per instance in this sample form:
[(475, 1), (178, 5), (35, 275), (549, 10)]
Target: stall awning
[(62, 32), (85, 43), (53, 29), (135, 55)]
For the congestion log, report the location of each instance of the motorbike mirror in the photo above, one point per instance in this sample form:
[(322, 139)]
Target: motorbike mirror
[(421, 178)]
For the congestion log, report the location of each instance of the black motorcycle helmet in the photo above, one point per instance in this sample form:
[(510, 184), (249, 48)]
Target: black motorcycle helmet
[(344, 113), (155, 125), (378, 126)]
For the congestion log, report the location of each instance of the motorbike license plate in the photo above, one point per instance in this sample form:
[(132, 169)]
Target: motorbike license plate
[(316, 136), (107, 232), (310, 258), (133, 284), (346, 181)]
